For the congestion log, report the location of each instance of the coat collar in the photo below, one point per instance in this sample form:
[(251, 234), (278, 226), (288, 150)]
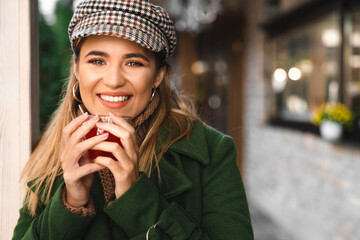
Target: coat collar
[(173, 179), (195, 146), (32, 185)]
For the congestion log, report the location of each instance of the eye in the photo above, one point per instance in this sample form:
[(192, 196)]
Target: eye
[(134, 64), (97, 61)]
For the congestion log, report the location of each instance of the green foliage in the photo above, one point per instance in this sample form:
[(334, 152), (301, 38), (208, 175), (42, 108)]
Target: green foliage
[(55, 54), (60, 28)]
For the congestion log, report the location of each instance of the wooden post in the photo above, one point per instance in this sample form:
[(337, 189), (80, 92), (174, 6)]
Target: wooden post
[(187, 55), (19, 126)]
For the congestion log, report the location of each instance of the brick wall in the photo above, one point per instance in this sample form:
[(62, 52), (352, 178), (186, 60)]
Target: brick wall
[(309, 187)]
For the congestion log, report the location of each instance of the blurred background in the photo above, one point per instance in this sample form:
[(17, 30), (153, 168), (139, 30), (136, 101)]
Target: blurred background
[(272, 74)]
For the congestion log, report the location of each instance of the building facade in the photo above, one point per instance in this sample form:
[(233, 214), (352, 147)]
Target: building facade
[(308, 186), (305, 186)]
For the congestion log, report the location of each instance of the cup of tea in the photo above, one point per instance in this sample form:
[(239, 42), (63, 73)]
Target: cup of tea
[(97, 131)]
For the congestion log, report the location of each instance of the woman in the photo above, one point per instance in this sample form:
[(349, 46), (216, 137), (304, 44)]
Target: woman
[(170, 177)]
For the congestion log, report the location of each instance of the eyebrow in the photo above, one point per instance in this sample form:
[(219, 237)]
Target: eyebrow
[(129, 55), (137, 55), (97, 53)]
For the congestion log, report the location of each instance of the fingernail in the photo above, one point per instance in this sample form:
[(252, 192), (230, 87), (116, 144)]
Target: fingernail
[(95, 118), (99, 124), (84, 115), (111, 113), (104, 136)]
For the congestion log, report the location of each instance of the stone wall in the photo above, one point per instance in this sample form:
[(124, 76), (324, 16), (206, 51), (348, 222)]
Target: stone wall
[(309, 187)]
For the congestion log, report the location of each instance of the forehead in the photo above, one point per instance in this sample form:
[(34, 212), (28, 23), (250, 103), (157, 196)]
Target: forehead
[(112, 43)]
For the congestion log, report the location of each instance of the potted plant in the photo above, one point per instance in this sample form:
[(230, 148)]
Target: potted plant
[(332, 118)]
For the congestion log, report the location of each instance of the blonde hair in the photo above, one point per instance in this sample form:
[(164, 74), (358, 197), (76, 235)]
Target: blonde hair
[(44, 165)]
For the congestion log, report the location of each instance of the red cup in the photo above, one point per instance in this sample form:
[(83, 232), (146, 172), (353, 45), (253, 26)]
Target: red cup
[(97, 131)]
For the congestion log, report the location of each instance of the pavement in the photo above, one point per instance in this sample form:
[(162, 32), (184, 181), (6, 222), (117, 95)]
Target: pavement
[(265, 228)]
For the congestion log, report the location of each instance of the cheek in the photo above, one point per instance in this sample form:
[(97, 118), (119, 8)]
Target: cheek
[(145, 84), (85, 93), (144, 88), (87, 80), (86, 84)]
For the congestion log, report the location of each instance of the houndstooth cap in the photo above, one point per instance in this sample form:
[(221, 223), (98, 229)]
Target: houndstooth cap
[(137, 20)]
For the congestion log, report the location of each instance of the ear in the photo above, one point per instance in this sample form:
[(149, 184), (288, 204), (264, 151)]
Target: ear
[(160, 76)]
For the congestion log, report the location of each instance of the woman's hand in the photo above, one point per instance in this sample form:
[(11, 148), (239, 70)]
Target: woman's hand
[(77, 166), (126, 168)]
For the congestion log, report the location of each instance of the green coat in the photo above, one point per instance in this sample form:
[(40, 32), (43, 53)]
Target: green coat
[(200, 196)]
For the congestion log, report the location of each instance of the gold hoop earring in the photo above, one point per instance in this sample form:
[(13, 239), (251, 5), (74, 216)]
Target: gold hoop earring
[(153, 93), (75, 89)]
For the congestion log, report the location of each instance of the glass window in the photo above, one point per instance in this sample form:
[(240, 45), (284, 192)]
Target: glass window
[(352, 61), (304, 68)]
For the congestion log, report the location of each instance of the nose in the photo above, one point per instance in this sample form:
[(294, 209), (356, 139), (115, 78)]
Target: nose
[(114, 77)]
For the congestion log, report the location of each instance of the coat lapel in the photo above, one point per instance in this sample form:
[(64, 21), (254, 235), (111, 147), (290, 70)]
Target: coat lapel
[(173, 179), (32, 185), (195, 146)]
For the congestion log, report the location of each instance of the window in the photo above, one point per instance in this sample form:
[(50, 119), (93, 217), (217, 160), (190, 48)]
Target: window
[(352, 60), (312, 56), (304, 68)]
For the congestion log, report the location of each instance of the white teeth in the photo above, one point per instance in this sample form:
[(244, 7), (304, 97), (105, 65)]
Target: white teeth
[(114, 99)]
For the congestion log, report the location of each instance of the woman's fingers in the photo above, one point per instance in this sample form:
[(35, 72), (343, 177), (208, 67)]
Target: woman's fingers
[(78, 169), (126, 137), (124, 124), (75, 131), (81, 132), (83, 171), (112, 165), (117, 151), (124, 178), (75, 124), (69, 129), (126, 169), (78, 182), (81, 147), (72, 145)]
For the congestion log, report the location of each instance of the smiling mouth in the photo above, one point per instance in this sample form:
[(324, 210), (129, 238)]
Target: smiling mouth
[(114, 99)]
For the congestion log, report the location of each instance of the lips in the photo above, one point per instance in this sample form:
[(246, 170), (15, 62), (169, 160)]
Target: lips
[(114, 100)]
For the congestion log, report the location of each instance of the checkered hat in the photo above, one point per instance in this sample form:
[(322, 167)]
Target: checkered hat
[(136, 20)]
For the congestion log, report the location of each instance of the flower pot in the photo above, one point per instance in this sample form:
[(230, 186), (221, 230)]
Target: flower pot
[(331, 131)]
